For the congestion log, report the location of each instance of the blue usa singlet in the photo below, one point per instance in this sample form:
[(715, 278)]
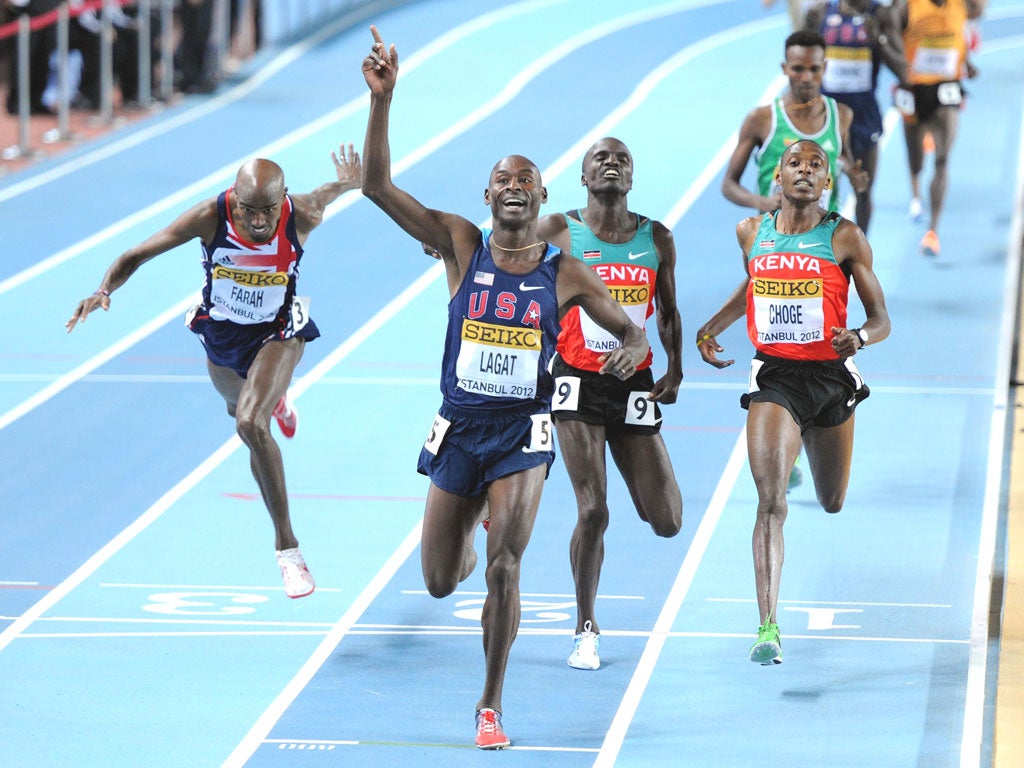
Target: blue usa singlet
[(502, 330)]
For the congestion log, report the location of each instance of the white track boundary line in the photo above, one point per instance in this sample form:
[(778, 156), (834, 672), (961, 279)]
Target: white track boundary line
[(971, 742)]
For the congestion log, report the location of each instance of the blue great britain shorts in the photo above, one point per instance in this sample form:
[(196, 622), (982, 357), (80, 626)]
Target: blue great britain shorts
[(235, 346), (469, 448)]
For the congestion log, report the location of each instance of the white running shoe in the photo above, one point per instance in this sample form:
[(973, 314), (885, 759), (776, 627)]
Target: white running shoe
[(298, 582), (584, 649), (916, 211)]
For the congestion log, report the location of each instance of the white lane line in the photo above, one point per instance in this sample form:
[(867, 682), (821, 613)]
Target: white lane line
[(830, 602), (69, 378), (684, 578)]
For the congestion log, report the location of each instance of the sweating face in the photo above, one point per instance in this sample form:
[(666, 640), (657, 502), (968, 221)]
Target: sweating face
[(515, 192), (803, 170), (259, 195), (608, 165)]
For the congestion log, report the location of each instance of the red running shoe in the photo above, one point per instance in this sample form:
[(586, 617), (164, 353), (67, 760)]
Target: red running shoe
[(287, 417), (489, 734)]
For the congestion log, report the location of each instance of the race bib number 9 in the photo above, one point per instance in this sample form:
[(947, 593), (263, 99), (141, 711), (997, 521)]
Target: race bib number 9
[(567, 394), (640, 410)]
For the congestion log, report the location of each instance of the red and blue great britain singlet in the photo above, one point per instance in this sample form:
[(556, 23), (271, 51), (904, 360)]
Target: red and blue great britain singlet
[(249, 283)]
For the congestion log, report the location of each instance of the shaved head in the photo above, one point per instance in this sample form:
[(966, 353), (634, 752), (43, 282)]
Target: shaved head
[(260, 182), (515, 164)]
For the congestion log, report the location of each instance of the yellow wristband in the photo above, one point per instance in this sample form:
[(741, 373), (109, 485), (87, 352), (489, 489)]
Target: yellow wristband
[(704, 338)]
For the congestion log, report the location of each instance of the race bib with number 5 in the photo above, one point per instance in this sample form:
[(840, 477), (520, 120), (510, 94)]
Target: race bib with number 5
[(640, 410), (540, 435), (437, 432)]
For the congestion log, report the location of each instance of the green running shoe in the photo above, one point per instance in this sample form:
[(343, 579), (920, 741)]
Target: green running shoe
[(768, 648)]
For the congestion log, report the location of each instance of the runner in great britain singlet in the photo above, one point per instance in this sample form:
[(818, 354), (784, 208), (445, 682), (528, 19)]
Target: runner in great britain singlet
[(249, 283)]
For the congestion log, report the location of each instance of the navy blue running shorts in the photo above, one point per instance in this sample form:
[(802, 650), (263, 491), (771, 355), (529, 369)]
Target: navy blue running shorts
[(605, 400), (235, 346), (817, 393), (866, 129), (469, 448)]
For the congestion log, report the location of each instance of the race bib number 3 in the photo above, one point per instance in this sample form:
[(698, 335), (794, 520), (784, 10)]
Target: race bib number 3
[(540, 435), (437, 432), (640, 410), (300, 312)]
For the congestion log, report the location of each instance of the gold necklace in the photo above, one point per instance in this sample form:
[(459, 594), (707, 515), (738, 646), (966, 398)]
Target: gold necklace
[(514, 250)]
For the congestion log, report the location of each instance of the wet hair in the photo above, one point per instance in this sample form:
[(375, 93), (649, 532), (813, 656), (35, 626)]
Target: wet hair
[(805, 38)]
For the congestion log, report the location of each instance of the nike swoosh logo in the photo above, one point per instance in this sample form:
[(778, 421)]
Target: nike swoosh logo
[(525, 287), (633, 256), (802, 244)]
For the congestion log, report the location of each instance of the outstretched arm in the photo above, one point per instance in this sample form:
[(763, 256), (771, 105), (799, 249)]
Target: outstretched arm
[(453, 237), (310, 207), (199, 221)]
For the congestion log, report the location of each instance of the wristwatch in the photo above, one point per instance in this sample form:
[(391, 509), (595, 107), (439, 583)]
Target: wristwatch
[(862, 335)]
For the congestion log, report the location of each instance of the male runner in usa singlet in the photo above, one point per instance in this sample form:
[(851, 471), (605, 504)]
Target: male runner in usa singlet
[(636, 258), (804, 386), (251, 321), (861, 35), (491, 442)]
